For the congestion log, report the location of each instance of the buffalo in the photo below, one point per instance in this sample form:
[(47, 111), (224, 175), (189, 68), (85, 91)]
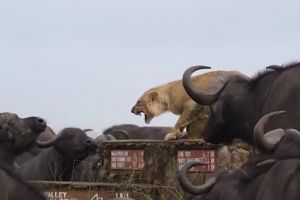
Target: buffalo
[(274, 180), (57, 162), (18, 135), (87, 170), (237, 102), (48, 134), (14, 188), (255, 178), (139, 133)]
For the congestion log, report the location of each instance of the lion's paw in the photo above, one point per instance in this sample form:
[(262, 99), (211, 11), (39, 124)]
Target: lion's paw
[(170, 136)]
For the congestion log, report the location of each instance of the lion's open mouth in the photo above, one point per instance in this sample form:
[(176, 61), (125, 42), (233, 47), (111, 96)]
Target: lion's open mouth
[(145, 115)]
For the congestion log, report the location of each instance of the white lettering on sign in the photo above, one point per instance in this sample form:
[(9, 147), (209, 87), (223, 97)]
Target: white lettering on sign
[(96, 197), (119, 153), (134, 160), (120, 165), (141, 165), (58, 196), (180, 154), (121, 159), (208, 156), (113, 165), (119, 195), (181, 160), (187, 154), (127, 159)]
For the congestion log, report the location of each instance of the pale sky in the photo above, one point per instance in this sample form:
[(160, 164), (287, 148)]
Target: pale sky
[(84, 63)]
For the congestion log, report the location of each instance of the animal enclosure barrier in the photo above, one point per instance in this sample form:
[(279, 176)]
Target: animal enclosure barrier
[(148, 169)]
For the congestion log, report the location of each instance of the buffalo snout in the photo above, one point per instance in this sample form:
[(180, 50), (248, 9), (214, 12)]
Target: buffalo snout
[(36, 124), (90, 142), (92, 146), (41, 121)]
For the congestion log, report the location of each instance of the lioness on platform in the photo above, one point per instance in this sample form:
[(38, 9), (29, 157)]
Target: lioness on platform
[(172, 97)]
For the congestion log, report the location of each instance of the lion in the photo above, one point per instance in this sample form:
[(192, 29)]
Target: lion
[(172, 97)]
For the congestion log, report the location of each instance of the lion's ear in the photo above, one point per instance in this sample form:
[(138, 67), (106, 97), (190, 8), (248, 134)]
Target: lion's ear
[(153, 95)]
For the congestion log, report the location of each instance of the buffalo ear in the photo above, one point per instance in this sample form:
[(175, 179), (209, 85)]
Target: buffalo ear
[(274, 136), (153, 95), (217, 109)]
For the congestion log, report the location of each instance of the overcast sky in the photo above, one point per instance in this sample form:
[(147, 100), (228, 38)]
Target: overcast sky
[(84, 63)]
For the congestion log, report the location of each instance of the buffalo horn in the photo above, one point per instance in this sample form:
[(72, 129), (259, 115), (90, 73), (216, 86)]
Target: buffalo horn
[(267, 142), (51, 142), (266, 162), (124, 133), (186, 184), (203, 98), (274, 67), (88, 129), (110, 137)]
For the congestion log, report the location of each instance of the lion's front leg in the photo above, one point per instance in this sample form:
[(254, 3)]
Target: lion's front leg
[(185, 119)]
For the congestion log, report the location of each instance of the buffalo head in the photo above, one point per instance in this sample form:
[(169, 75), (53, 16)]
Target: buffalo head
[(278, 142), (223, 96), (234, 181), (111, 136), (20, 133), (72, 143)]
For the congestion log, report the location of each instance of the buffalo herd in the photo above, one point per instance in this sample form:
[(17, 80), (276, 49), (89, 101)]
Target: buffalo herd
[(262, 111)]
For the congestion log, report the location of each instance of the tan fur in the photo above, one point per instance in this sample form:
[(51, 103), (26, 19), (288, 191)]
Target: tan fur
[(172, 97)]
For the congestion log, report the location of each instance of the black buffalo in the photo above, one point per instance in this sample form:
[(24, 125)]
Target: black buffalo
[(87, 170), (18, 135), (272, 180), (48, 134), (139, 133), (57, 162), (238, 102), (265, 176), (12, 187)]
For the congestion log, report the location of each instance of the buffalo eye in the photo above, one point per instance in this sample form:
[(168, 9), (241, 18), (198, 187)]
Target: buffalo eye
[(12, 123)]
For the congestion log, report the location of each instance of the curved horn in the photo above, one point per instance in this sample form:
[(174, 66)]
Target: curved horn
[(88, 129), (267, 142), (124, 133), (110, 137), (265, 162), (274, 67), (186, 184), (195, 93), (51, 142)]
